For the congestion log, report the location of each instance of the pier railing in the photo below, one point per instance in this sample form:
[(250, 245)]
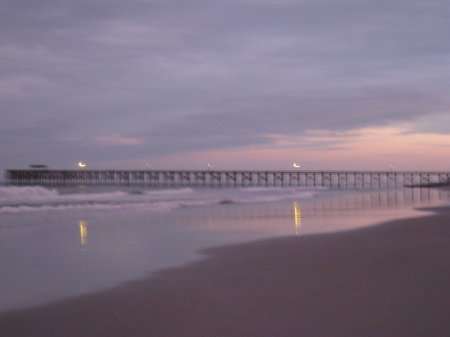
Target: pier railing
[(214, 178)]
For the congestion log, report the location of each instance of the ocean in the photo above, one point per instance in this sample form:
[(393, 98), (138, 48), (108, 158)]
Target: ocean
[(61, 242)]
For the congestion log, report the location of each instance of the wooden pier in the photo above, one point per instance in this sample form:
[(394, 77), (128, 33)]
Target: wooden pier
[(214, 178)]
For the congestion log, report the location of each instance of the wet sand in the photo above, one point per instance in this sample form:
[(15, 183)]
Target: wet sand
[(387, 280)]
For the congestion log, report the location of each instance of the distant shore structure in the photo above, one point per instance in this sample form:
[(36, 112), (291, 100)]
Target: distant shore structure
[(229, 178)]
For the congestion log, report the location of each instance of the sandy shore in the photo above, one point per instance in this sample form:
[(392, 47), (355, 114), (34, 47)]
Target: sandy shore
[(389, 280)]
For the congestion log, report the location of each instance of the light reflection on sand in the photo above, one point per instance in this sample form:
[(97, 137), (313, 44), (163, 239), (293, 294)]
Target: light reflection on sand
[(346, 211), (297, 217), (83, 235)]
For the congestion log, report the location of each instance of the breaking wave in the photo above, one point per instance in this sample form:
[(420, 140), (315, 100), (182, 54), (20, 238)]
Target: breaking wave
[(19, 199), (26, 193)]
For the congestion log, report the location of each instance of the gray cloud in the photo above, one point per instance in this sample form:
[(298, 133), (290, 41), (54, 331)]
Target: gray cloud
[(211, 74)]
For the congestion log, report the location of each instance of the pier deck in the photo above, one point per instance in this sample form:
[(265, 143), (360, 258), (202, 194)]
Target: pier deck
[(215, 178)]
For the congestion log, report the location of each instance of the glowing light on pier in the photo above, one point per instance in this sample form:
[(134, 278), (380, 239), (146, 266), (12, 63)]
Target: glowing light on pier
[(81, 164), (296, 165)]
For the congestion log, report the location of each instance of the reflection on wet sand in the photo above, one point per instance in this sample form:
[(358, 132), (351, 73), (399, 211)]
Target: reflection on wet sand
[(83, 235), (83, 259), (297, 217), (378, 200), (347, 210), (333, 206)]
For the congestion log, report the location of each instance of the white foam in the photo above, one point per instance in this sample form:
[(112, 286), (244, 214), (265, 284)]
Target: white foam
[(172, 191), (277, 197), (157, 206), (35, 198), (27, 193), (262, 189), (94, 196)]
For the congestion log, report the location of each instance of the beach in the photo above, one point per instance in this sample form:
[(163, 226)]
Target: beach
[(389, 279)]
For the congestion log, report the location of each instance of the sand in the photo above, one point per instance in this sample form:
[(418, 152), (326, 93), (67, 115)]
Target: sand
[(388, 280)]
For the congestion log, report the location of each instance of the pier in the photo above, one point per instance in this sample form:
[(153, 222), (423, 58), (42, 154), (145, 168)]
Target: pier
[(228, 178)]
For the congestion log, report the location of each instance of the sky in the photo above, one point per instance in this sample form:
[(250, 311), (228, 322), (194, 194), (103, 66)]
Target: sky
[(237, 84)]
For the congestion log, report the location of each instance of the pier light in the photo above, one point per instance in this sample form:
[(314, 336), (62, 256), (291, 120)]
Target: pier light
[(295, 165), (81, 164)]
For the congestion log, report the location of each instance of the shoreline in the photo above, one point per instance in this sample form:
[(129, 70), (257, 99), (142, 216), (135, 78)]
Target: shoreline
[(389, 279)]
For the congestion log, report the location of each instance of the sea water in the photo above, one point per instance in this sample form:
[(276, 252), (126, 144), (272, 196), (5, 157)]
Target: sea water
[(61, 242)]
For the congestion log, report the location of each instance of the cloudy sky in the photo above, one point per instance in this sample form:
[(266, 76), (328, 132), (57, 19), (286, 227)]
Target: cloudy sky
[(331, 84)]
